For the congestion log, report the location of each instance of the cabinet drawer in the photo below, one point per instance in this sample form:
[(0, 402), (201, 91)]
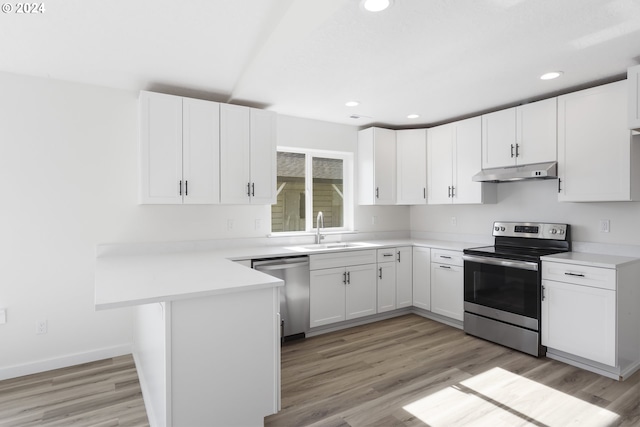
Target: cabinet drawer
[(596, 277), (342, 259), (444, 256), (388, 254)]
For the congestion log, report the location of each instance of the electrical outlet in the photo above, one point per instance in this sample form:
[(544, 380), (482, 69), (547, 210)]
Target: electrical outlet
[(229, 224), (374, 219), (41, 327), (454, 221), (258, 224), (605, 225), (3, 316)]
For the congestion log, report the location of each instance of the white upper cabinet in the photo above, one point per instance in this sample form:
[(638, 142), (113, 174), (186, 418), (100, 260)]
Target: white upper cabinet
[(521, 135), (633, 77), (597, 158), (247, 155), (179, 149), (377, 166), (453, 157), (411, 149)]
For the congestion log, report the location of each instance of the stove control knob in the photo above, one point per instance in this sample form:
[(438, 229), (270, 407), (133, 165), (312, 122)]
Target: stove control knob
[(561, 231), (496, 228), (502, 228), (553, 231)]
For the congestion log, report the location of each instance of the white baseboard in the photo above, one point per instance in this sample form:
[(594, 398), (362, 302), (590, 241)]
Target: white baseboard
[(63, 361)]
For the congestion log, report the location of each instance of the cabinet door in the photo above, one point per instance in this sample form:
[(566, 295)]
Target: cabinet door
[(386, 286), (385, 166), (499, 139), (537, 132), (467, 162), (263, 157), (201, 151), (447, 290), (411, 149), (327, 296), (160, 148), (361, 291), (440, 164), (633, 77), (404, 276), (580, 320), (422, 278), (594, 145), (235, 151)]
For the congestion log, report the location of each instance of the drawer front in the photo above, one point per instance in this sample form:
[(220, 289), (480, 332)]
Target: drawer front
[(341, 259), (596, 277), (443, 256), (388, 254)]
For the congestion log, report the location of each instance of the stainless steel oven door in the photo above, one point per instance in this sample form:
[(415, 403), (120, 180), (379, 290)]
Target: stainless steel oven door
[(502, 289)]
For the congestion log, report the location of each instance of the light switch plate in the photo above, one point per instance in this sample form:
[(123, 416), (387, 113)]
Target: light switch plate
[(3, 316)]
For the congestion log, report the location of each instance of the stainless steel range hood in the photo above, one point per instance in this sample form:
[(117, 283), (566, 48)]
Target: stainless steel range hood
[(518, 173)]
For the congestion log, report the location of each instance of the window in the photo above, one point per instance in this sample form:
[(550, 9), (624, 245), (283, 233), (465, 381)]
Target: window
[(312, 181)]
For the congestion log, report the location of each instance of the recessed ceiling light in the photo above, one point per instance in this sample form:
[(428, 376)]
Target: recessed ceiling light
[(352, 103), (413, 116), (376, 5), (550, 76)]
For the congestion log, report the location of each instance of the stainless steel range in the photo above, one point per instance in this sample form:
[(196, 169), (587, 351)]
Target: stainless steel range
[(502, 284)]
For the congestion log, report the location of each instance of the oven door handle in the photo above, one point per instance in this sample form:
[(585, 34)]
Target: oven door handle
[(522, 265)]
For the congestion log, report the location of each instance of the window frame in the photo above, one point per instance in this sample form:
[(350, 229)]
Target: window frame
[(347, 189)]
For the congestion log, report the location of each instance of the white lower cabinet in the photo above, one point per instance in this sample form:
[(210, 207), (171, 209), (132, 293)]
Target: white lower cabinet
[(386, 286), (447, 276), (422, 278), (580, 320), (404, 276), (589, 312), (342, 287)]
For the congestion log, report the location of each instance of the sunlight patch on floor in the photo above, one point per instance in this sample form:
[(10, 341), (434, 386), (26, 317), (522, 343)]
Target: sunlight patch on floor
[(502, 398)]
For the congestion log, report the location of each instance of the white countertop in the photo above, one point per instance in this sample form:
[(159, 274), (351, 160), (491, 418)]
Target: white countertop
[(131, 279), (590, 259)]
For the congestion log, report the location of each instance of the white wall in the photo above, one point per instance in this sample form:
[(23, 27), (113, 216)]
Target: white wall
[(69, 177), (534, 201)]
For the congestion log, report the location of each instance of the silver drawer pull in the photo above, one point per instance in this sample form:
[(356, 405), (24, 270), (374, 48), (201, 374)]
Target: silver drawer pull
[(444, 256), (387, 254), (574, 274), (445, 266)]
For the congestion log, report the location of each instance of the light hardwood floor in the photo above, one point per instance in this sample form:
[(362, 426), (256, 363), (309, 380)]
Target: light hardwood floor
[(406, 371), (101, 394), (411, 371)]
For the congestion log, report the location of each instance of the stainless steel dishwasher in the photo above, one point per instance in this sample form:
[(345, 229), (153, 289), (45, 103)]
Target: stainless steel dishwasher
[(294, 298)]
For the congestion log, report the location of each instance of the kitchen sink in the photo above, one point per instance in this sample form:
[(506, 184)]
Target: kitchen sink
[(331, 246)]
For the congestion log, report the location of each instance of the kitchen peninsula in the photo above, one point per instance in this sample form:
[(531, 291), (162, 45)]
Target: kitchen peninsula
[(200, 357)]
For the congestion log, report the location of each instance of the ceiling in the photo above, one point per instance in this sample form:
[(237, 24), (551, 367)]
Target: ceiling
[(441, 59)]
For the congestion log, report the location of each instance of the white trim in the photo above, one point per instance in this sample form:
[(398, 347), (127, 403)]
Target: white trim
[(63, 361)]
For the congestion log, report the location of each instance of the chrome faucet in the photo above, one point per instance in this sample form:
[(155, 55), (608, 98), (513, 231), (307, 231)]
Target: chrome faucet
[(319, 220)]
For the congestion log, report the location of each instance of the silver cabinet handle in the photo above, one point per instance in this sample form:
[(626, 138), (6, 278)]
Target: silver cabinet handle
[(398, 256), (542, 296), (253, 189), (380, 272), (453, 191), (517, 150), (387, 254), (186, 188), (446, 266), (248, 189), (512, 151), (574, 274), (348, 277), (344, 277), (377, 192), (180, 188), (424, 193), (449, 191), (444, 256)]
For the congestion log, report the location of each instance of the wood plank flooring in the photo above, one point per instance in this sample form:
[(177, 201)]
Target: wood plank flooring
[(406, 371), (411, 371), (105, 393)]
